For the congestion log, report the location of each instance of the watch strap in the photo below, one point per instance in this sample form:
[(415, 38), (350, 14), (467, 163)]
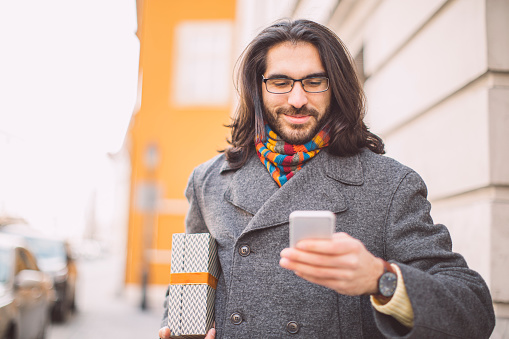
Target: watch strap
[(388, 267), (399, 307)]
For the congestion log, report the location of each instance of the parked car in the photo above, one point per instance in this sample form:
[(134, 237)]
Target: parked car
[(53, 257), (27, 294)]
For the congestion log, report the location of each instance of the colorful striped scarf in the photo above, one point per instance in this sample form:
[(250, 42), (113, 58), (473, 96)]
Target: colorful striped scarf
[(283, 160)]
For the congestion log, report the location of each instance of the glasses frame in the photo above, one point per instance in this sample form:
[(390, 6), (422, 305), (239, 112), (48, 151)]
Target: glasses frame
[(264, 79)]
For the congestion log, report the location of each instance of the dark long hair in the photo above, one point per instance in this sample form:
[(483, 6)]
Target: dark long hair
[(348, 133)]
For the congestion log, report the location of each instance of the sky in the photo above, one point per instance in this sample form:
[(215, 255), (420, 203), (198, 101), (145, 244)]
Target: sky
[(68, 88)]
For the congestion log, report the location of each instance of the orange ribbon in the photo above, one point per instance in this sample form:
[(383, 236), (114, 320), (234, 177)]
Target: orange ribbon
[(193, 278)]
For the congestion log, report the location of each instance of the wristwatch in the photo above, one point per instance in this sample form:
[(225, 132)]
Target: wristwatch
[(387, 283)]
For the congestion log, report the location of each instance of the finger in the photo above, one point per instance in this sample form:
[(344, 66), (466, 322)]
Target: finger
[(318, 259), (342, 235), (324, 252), (164, 333), (318, 272), (347, 287), (344, 281), (211, 334), (340, 243)]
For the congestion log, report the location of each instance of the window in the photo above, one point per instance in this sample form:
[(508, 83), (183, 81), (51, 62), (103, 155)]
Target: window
[(202, 73)]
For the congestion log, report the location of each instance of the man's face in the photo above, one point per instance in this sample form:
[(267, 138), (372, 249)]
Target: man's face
[(296, 116)]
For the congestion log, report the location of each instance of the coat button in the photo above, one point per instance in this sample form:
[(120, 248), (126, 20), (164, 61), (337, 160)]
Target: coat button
[(236, 318), (244, 250), (292, 327)]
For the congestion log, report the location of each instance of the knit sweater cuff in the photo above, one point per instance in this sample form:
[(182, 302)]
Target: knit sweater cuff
[(399, 307)]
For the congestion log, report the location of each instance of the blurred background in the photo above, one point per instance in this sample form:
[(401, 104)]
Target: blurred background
[(107, 106)]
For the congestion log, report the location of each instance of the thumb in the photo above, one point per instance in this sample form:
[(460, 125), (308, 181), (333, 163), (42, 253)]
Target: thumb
[(211, 334), (164, 333)]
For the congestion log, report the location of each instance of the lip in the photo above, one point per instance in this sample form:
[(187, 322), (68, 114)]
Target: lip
[(297, 119)]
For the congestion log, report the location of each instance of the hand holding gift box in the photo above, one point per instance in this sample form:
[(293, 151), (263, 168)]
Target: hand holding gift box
[(165, 333), (193, 280)]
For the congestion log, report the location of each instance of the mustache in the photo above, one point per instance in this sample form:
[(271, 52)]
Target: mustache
[(292, 111)]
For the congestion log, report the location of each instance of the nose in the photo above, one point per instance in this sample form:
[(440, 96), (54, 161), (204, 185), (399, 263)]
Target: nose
[(297, 96)]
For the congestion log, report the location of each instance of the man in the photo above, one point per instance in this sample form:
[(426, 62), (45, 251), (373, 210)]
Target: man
[(299, 143)]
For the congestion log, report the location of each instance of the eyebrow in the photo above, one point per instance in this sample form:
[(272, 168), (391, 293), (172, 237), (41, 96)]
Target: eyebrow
[(284, 76)]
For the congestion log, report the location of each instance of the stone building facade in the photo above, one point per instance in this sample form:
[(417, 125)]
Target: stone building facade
[(436, 76)]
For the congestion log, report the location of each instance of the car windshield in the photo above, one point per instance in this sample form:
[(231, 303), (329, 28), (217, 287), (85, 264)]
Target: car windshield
[(5, 264)]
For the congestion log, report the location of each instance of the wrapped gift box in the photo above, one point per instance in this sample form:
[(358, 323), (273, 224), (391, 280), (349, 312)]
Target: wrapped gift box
[(193, 280)]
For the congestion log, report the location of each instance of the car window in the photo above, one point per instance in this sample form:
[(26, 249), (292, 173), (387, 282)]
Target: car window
[(47, 248), (5, 264)]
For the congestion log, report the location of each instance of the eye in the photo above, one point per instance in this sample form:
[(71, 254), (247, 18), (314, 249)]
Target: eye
[(280, 82), (314, 82)]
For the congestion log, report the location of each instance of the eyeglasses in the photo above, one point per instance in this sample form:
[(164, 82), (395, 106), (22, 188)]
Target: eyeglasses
[(285, 85)]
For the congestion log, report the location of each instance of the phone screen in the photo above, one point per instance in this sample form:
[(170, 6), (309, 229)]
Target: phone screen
[(311, 225)]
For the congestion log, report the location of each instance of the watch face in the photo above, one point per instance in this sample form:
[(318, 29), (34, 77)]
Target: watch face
[(387, 284)]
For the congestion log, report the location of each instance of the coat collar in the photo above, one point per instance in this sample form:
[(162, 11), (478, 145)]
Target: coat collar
[(317, 186)]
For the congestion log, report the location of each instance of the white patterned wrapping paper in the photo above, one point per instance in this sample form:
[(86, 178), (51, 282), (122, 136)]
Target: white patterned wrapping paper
[(176, 291), (178, 243), (201, 254), (191, 306), (175, 304)]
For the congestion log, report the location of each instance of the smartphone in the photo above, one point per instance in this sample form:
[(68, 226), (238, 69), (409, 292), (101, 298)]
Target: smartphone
[(311, 225)]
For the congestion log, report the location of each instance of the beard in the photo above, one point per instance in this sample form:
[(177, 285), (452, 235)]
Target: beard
[(296, 134)]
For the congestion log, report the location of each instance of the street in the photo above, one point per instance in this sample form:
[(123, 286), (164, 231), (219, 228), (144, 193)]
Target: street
[(104, 310)]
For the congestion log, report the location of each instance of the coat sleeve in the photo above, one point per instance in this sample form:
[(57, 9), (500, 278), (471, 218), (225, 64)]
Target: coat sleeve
[(194, 224), (194, 218), (448, 299)]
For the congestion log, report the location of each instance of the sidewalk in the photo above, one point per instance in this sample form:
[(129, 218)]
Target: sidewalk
[(104, 309)]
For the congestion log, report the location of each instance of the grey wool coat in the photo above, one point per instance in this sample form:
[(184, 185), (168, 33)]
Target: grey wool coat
[(376, 200)]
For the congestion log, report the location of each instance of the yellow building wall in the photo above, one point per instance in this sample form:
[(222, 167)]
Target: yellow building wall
[(184, 136)]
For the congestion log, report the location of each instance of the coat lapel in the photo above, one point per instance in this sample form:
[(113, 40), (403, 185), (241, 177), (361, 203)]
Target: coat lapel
[(251, 186), (317, 186)]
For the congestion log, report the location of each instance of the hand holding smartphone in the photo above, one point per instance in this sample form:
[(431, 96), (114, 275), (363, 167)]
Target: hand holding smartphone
[(311, 225)]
